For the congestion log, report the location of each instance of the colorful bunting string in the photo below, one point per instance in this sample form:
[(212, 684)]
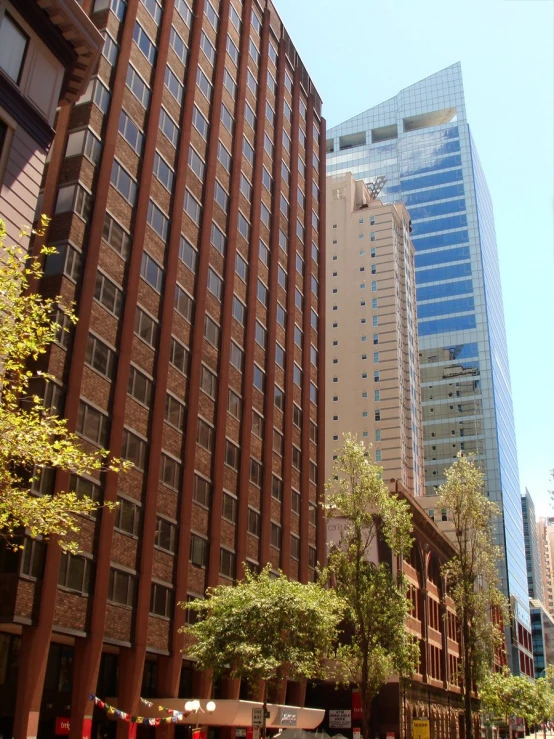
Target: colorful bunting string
[(171, 711), (174, 717)]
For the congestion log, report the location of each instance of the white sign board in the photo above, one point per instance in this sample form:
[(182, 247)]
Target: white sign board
[(257, 717), (340, 719)]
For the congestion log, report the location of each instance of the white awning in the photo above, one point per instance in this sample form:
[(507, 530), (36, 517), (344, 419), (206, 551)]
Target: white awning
[(231, 713)]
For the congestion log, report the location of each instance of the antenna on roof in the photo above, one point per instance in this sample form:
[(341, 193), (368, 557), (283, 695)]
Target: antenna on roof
[(376, 186)]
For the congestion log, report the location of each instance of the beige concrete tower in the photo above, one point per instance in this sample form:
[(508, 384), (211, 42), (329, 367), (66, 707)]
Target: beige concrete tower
[(545, 535), (372, 364)]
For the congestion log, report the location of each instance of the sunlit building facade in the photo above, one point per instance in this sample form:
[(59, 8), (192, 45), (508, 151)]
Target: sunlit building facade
[(421, 142)]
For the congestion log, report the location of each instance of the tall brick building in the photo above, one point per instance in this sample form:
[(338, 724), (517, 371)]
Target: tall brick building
[(187, 191)]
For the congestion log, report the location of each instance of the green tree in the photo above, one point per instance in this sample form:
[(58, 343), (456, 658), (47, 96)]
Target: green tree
[(265, 627), (505, 695), (472, 575), (32, 438), (377, 644)]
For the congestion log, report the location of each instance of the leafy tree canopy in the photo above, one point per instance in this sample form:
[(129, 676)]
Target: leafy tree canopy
[(472, 575), (505, 695), (377, 644), (265, 626), (32, 438)]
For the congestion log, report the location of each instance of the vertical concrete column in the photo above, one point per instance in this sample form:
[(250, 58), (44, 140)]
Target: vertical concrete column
[(131, 665)]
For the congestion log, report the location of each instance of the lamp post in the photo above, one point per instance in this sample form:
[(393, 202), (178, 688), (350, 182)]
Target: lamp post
[(194, 707)]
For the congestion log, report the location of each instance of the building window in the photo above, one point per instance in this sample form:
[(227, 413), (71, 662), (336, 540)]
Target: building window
[(277, 488), (174, 412), (279, 398), (170, 472), (207, 47), (211, 331), (200, 123), (121, 588), (75, 573), (234, 404), (161, 600), (13, 47), (229, 507), (259, 379), (192, 207), (92, 424), (168, 127), (151, 272), (198, 550), (275, 535), (255, 472), (127, 516), (236, 356), (157, 220), (232, 456), (130, 132), (32, 562), (133, 449), (215, 283), (146, 327), (239, 310), (217, 238), (202, 491), (139, 386), (294, 546), (204, 84), (178, 45), (178, 356), (254, 522), (74, 198), (138, 87), (205, 435), (260, 334), (165, 536), (116, 236), (257, 424), (226, 563), (183, 303)]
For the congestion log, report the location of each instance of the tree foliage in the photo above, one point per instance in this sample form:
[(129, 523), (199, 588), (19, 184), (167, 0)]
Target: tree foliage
[(377, 644), (505, 695), (265, 627), (472, 574), (32, 438)]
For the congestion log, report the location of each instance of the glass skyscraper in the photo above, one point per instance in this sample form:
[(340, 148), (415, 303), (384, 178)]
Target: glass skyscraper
[(421, 142)]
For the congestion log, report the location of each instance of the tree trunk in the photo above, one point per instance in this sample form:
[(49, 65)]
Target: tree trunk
[(265, 710), (467, 683), (366, 714)]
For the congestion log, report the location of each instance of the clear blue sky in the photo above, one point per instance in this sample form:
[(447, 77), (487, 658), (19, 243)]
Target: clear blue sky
[(362, 52)]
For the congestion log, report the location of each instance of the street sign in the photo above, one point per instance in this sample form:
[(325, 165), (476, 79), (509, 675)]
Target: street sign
[(340, 719), (257, 717), (421, 728)]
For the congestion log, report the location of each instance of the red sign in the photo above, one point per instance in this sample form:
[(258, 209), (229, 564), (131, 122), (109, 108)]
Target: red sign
[(250, 732), (356, 705), (87, 728), (199, 734), (62, 726)]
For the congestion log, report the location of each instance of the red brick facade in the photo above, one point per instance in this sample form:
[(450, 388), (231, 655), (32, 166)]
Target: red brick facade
[(204, 149)]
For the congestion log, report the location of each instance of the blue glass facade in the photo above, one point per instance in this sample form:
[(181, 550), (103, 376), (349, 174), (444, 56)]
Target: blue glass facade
[(421, 142)]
